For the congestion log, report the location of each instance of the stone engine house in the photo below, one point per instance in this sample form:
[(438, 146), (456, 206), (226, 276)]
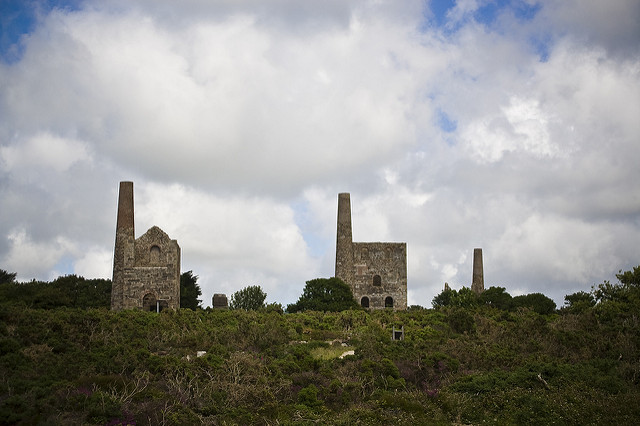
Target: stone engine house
[(146, 271), (376, 272)]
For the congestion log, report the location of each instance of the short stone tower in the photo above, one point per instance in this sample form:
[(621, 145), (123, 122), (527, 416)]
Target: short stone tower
[(146, 271), (477, 282), (376, 272)]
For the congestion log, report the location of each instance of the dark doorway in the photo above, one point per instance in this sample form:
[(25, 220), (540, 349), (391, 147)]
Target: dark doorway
[(149, 302)]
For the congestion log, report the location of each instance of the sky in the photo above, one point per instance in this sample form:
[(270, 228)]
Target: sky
[(511, 126)]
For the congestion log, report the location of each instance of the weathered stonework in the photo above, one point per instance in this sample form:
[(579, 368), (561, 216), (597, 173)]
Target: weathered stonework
[(376, 272), (146, 271), (477, 280), (219, 301)]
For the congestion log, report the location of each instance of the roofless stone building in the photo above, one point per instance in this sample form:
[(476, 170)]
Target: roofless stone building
[(146, 271), (376, 272)]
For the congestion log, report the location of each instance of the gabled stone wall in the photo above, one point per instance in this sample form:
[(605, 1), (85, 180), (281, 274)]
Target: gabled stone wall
[(146, 271)]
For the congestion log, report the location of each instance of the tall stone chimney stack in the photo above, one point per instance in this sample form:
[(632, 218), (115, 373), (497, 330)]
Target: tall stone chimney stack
[(125, 221), (477, 283), (123, 254), (344, 248)]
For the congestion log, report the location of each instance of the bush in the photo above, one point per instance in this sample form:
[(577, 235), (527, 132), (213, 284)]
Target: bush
[(326, 295), (464, 298), (578, 302), (496, 297), (309, 396), (250, 298), (537, 302), (461, 321)]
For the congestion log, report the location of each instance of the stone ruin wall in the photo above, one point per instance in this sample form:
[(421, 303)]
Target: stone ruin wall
[(157, 269), (376, 272), (388, 261), (219, 301), (146, 271)]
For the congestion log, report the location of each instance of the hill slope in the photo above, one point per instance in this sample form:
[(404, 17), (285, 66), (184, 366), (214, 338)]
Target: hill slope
[(71, 366)]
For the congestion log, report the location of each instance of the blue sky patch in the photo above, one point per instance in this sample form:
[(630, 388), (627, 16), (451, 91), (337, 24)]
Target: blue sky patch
[(542, 46), (20, 17), (439, 8), (317, 244), (486, 14), (445, 122)]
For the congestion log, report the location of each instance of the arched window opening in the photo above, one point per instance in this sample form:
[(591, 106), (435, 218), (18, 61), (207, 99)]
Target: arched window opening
[(364, 302), (155, 254), (377, 280), (149, 302), (388, 302)]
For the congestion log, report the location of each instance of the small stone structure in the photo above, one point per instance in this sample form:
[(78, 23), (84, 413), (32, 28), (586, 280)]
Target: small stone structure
[(477, 281), (397, 333), (146, 271), (219, 301), (376, 272)]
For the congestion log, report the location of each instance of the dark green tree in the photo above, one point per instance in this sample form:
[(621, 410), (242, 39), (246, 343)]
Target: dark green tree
[(325, 294), (189, 291), (460, 320), (537, 302), (444, 298), (68, 290), (81, 292), (7, 277), (464, 298), (496, 297), (250, 298), (578, 302), (630, 278), (628, 285), (621, 299)]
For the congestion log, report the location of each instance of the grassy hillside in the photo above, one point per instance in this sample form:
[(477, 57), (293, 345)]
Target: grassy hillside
[(471, 366)]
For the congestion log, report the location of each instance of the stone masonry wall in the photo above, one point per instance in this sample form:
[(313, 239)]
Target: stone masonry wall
[(387, 262), (376, 272), (146, 271)]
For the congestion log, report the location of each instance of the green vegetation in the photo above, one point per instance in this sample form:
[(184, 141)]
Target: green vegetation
[(68, 290), (465, 365), (7, 277), (190, 291), (496, 297), (324, 295), (250, 298)]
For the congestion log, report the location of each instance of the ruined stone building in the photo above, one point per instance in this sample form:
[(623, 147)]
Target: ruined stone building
[(376, 272), (146, 270)]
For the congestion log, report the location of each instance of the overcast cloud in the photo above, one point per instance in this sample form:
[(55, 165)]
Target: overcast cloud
[(508, 125)]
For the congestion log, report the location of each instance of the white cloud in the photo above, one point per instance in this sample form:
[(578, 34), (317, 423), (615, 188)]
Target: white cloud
[(97, 262), (44, 150), (242, 240), (462, 10), (160, 95), (33, 259)]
